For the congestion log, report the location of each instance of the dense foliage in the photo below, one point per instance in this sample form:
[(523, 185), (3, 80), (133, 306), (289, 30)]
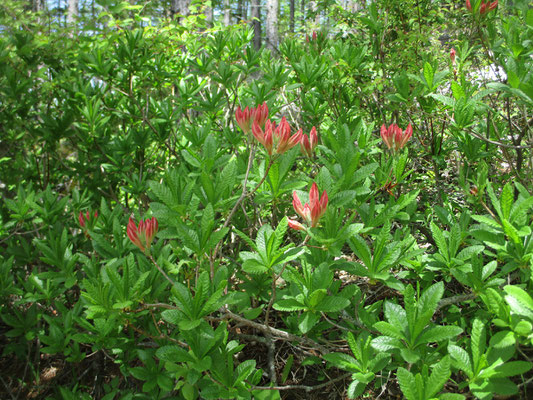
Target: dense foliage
[(363, 229)]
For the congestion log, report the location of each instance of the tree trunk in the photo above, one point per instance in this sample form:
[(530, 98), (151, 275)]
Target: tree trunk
[(240, 10), (272, 24), (302, 10), (38, 5), (227, 13), (72, 13), (179, 7), (256, 23), (354, 5), (291, 16), (209, 13)]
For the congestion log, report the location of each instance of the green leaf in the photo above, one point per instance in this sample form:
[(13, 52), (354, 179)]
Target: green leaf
[(361, 250), (386, 343), (207, 222), (451, 396), (483, 219), (428, 75), (457, 90), (407, 383), (511, 368), (440, 240), (506, 200), (439, 376), (332, 304), (343, 361), (427, 304), (174, 354), (288, 305), (279, 233), (307, 322), (410, 356), (461, 359), (438, 333), (519, 300), (410, 311), (287, 368), (478, 342), (388, 330)]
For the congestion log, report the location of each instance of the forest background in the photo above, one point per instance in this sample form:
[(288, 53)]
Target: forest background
[(266, 199)]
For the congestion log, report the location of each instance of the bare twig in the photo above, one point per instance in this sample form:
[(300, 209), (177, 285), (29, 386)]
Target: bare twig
[(275, 332), (303, 387)]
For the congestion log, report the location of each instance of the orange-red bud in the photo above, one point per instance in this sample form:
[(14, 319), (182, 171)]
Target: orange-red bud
[(142, 235)]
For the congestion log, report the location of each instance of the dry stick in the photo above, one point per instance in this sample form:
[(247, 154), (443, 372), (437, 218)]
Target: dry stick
[(240, 200), (161, 270), (455, 299), (303, 387), (160, 337), (276, 332), (234, 209)]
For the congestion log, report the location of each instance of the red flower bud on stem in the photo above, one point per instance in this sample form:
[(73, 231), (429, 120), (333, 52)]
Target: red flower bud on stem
[(247, 117), (277, 140), (394, 138), (311, 212), (142, 235), (308, 144), (85, 219)]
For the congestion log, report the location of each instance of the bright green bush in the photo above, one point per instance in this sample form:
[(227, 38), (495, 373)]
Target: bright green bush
[(408, 274)]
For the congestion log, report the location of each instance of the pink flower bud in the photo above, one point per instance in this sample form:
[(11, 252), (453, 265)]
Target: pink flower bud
[(394, 137), (86, 219), (308, 144), (142, 235), (387, 135), (311, 212), (296, 225), (452, 55), (468, 5), (244, 119), (260, 114)]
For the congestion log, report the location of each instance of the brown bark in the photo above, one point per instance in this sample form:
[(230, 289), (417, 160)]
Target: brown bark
[(256, 23)]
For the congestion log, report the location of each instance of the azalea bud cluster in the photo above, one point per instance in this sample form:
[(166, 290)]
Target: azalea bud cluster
[(393, 136), (247, 117), (143, 234), (86, 220), (276, 139), (310, 212), (484, 8)]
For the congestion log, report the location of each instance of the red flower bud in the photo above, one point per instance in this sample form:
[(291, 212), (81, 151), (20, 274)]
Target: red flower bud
[(452, 55), (394, 137), (308, 144), (245, 118), (296, 225), (311, 212), (86, 219), (142, 235)]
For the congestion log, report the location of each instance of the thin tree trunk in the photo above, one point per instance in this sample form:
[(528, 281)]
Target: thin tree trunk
[(209, 13), (302, 10), (256, 23), (227, 13), (314, 8), (179, 7), (291, 16), (272, 24), (240, 9), (72, 13)]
